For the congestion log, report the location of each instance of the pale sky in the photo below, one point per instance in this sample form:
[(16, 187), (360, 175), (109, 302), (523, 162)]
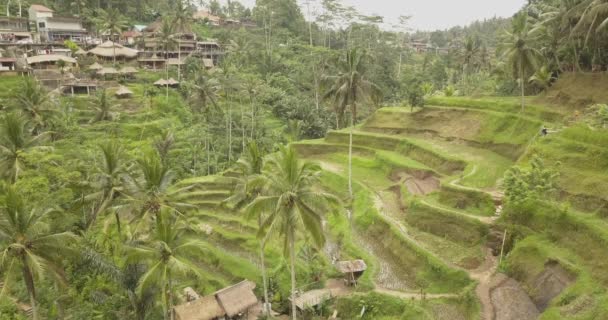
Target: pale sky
[(431, 14)]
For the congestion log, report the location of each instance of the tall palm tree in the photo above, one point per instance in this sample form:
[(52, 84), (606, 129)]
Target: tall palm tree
[(543, 78), (102, 107), (165, 37), (182, 21), (169, 255), (290, 201), (248, 186), (470, 56), (153, 191), (29, 244), (111, 21), (593, 17), (519, 52), (347, 89), (14, 140), (34, 101), (107, 182)]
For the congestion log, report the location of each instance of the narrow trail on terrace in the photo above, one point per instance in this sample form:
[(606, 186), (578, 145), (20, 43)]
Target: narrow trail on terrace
[(482, 274)]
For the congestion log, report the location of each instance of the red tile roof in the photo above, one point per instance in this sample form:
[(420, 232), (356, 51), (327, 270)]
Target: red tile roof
[(40, 8)]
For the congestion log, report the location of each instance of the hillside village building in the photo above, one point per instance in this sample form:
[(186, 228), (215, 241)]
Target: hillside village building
[(52, 28), (14, 29)]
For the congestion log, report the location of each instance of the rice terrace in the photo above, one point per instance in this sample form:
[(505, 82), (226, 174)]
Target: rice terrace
[(318, 159)]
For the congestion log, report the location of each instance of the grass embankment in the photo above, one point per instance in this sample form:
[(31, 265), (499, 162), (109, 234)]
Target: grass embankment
[(421, 270), (442, 163), (576, 241), (536, 109), (580, 154)]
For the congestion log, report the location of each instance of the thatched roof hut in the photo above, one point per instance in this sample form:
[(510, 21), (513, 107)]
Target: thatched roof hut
[(49, 59), (110, 49), (80, 52), (160, 82), (312, 298), (172, 82), (128, 70), (95, 66), (107, 71), (123, 92), (353, 269), (352, 266), (237, 298), (205, 308)]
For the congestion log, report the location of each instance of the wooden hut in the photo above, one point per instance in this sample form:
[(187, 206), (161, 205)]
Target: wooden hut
[(205, 308), (8, 65), (236, 300), (123, 92), (233, 302), (153, 62), (107, 72), (312, 298), (49, 61), (79, 86), (352, 270), (160, 83), (110, 50)]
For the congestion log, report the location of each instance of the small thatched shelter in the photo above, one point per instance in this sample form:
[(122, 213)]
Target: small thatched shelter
[(205, 308), (95, 66), (79, 86), (128, 70), (48, 61), (107, 71), (237, 299), (312, 298), (161, 82), (172, 82), (352, 269), (80, 52), (110, 50), (123, 92)]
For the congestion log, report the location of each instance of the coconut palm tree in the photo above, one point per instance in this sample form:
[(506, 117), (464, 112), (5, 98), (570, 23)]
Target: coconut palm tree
[(248, 186), (348, 89), (542, 77), (166, 39), (14, 141), (182, 21), (290, 202), (169, 256), (34, 102), (29, 244), (102, 107), (153, 191), (107, 181), (519, 52), (111, 21)]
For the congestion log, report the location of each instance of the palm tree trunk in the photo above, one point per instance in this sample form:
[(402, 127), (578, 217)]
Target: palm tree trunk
[(179, 60), (252, 116), (31, 289), (242, 124), (350, 158), (266, 308), (292, 262), (207, 148), (522, 83), (229, 132)]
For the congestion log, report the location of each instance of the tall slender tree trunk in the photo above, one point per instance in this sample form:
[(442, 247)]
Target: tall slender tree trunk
[(266, 308), (522, 84), (242, 124), (31, 289), (350, 158), (252, 115), (179, 60), (292, 262)]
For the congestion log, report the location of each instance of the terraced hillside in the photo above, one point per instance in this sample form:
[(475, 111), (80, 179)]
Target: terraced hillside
[(428, 207)]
